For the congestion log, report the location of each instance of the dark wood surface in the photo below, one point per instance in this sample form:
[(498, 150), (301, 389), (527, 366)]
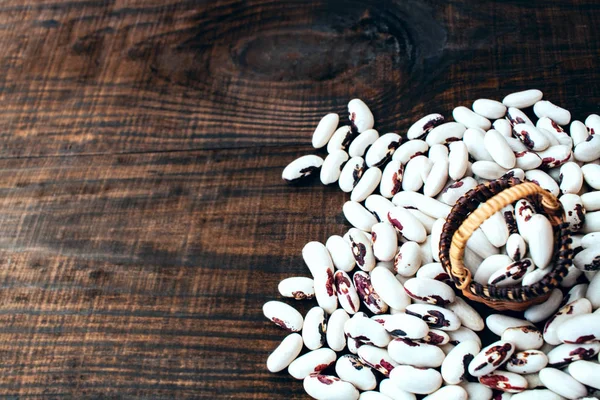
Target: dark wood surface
[(143, 218)]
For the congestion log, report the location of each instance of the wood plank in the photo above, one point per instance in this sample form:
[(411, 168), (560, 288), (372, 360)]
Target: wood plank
[(143, 218), (83, 77), (145, 274)]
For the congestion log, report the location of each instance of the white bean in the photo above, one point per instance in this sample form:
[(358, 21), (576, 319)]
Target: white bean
[(565, 354), (360, 115), (410, 149), (412, 179), (367, 331), (314, 328), (593, 292), (593, 123), (373, 395), (488, 170), (385, 241), (580, 329), (328, 387), (537, 394), (463, 334), (458, 160), (361, 143), (407, 224), (543, 180), (424, 219), (301, 168), (577, 307), (358, 216), (382, 149), (437, 178), (540, 237), (428, 206), (285, 353), (437, 152), (495, 229), (416, 380), (341, 139), (436, 234), (588, 150), (527, 362), (408, 259), (562, 383), (332, 166), (406, 326), (446, 133), (571, 178), (496, 144), (316, 257), (503, 126), (391, 179), (523, 99), (540, 312), (504, 381), (350, 369), (544, 108), (592, 222), (336, 338), (531, 137), (299, 288), (423, 126), (389, 288), (341, 253), (490, 358), (324, 291), (489, 108), (370, 298), (390, 389), (474, 139), (476, 390), (524, 337), (516, 116), (408, 352), (557, 132), (467, 315), (324, 130), (283, 315), (366, 185), (346, 292), (377, 358), (379, 206), (436, 317), (586, 372), (591, 201), (429, 290), (455, 364), (351, 173), (579, 132), (470, 119), (498, 323), (480, 244), (458, 189), (591, 175), (434, 271)]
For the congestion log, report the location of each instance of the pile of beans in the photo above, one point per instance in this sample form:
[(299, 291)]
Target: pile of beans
[(388, 316)]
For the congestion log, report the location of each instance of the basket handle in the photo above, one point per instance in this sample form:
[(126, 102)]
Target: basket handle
[(549, 202)]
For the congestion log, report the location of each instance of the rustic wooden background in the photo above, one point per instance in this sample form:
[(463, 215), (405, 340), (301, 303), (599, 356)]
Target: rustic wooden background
[(143, 218)]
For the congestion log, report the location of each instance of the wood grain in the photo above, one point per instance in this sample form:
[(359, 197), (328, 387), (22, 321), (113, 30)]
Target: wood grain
[(143, 218), (82, 77), (161, 295)]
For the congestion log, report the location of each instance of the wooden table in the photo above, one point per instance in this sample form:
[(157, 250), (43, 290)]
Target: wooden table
[(143, 217)]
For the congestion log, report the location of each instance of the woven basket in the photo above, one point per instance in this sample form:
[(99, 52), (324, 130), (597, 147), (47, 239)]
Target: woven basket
[(466, 216)]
